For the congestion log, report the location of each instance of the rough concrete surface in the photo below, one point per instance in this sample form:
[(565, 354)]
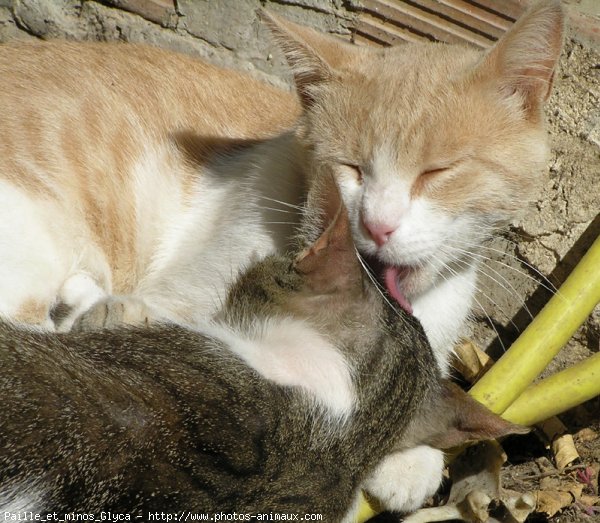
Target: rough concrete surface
[(546, 243), (226, 32)]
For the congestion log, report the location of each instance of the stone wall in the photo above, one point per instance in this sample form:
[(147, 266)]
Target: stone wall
[(226, 32), (548, 241)]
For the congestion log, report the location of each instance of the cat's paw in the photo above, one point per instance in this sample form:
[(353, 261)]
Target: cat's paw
[(114, 311), (403, 481)]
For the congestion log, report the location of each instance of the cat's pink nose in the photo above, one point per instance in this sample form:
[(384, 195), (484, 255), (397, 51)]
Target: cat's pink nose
[(380, 232)]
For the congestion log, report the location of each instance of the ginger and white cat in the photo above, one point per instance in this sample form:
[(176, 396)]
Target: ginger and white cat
[(135, 184)]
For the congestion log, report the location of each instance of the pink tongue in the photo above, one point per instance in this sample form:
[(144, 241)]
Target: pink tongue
[(390, 277)]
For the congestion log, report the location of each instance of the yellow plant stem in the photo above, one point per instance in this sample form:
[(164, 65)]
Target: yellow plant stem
[(366, 509), (556, 394), (544, 337)]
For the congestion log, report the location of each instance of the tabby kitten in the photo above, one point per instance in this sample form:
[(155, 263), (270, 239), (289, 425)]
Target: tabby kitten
[(283, 404)]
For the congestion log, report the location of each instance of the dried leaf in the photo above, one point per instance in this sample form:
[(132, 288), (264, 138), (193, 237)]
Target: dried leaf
[(474, 508), (585, 435), (471, 361), (477, 469), (552, 428), (590, 501), (576, 490), (476, 483), (545, 465), (550, 502), (551, 483), (427, 515), (562, 484), (475, 475), (564, 451), (518, 505)]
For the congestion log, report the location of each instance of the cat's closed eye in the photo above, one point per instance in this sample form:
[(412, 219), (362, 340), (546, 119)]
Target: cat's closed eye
[(432, 176), (435, 171)]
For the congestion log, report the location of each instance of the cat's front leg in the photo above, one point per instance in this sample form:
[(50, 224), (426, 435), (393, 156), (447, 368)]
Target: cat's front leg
[(113, 311), (404, 480)]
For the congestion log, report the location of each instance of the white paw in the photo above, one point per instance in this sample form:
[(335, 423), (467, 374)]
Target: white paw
[(403, 481)]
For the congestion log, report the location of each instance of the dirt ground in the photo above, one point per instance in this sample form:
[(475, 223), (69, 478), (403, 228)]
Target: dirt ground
[(531, 467)]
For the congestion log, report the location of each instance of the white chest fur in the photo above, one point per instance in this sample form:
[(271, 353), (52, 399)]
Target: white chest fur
[(291, 353)]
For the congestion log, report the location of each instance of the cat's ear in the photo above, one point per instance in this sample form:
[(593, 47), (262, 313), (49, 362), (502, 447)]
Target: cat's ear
[(330, 264), (311, 55), (457, 418), (524, 59)]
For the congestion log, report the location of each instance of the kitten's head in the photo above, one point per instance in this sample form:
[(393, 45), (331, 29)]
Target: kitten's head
[(432, 145)]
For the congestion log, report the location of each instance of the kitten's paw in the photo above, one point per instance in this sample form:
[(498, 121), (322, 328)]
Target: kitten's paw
[(114, 311), (78, 293), (403, 481)]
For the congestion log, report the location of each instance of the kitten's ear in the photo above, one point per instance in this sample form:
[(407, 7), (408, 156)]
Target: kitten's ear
[(457, 418), (331, 264), (311, 55), (524, 59)]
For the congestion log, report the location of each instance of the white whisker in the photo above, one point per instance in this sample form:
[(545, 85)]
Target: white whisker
[(474, 287), (512, 289), (291, 205), (279, 210), (551, 289)]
